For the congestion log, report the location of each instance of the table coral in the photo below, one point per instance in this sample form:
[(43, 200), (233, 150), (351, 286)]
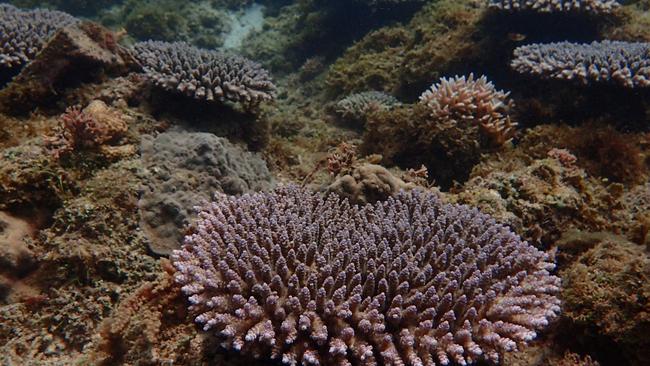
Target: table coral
[(623, 63), (551, 6), (203, 74)]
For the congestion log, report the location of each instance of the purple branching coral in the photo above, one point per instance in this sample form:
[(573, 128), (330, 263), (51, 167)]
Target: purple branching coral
[(294, 276), (550, 6), (204, 74), (24, 32), (624, 63)]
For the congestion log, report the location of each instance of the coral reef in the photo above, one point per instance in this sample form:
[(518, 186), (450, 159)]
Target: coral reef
[(23, 33), (184, 169), (543, 193), (204, 74), (400, 59), (457, 120), (88, 213), (623, 63), (356, 106), (303, 279), (550, 6)]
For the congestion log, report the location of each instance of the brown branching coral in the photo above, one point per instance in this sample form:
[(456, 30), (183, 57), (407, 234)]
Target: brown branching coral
[(462, 100), (300, 278), (342, 159), (86, 129)]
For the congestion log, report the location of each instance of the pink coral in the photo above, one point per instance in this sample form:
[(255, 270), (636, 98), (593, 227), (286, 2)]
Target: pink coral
[(294, 276), (466, 100)]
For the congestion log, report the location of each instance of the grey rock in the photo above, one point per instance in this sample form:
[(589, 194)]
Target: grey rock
[(181, 170)]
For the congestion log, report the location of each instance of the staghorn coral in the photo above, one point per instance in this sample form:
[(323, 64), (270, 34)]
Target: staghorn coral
[(183, 169), (297, 277), (623, 63), (461, 100), (551, 6), (356, 106), (24, 32), (203, 74)]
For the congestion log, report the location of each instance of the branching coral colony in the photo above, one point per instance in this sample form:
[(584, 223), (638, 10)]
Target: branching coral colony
[(550, 6), (624, 63), (466, 100), (204, 74), (309, 280), (24, 32)]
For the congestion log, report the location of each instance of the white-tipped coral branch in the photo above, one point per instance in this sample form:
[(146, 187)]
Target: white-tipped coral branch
[(308, 280)]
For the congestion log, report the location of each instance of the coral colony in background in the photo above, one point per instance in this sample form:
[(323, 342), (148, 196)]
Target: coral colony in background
[(204, 74), (23, 32), (363, 182), (411, 281)]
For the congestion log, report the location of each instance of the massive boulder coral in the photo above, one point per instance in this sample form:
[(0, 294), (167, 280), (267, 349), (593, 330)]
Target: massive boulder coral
[(550, 6), (300, 278), (24, 32), (182, 170), (623, 63), (368, 183), (204, 74)]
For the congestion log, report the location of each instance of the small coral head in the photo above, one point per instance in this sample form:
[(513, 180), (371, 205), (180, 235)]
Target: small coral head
[(294, 276)]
